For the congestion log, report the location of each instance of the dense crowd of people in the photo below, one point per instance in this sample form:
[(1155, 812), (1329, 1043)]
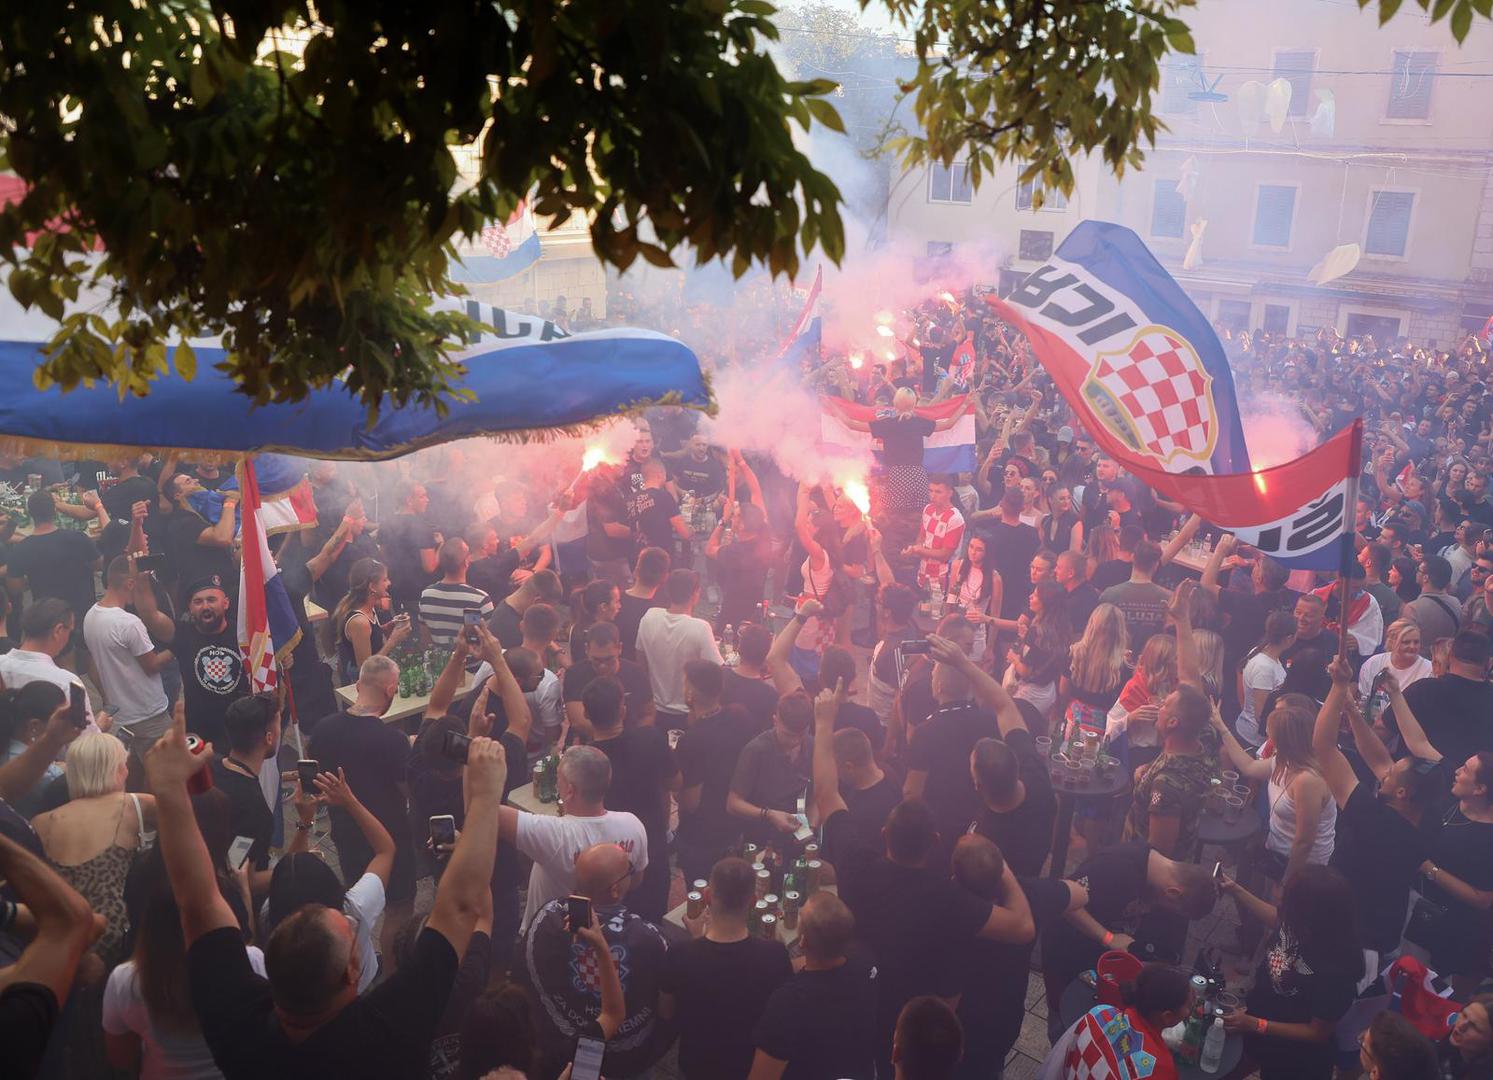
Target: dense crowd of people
[(816, 763)]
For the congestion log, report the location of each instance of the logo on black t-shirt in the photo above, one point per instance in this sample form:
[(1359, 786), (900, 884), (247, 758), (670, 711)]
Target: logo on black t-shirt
[(218, 669)]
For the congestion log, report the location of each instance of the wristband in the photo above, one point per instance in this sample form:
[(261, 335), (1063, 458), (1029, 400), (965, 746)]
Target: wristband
[(799, 617), (304, 826), (8, 910), (763, 816), (1109, 936), (1261, 1027)]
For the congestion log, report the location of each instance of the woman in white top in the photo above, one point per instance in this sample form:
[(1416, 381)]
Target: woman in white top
[(1401, 657), (1303, 815), (1262, 675), (976, 587), (149, 1023)]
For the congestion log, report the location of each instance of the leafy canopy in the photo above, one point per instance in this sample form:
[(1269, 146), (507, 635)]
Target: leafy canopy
[(285, 174)]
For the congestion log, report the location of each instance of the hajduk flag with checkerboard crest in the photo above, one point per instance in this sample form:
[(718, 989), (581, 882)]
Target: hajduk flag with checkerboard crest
[(1148, 378), (267, 626)]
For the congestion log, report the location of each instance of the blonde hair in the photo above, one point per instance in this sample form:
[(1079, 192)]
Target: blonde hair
[(93, 765), (1158, 660), (1393, 630), (1210, 654), (904, 399), (1289, 726), (1097, 660)]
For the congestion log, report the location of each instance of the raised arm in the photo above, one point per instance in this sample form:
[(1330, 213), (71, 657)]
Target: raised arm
[(64, 922), (784, 678), (515, 706), (448, 682), (168, 767), (221, 534), (335, 791), (1410, 727), (827, 797), (1336, 770), (459, 901), (1215, 563), (22, 773), (1189, 665), (1184, 537), (1247, 764), (162, 627), (988, 692)]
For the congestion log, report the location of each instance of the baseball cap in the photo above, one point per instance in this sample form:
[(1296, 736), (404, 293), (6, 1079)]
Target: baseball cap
[(1065, 434)]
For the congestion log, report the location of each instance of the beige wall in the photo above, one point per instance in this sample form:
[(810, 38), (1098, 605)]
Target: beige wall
[(1446, 273)]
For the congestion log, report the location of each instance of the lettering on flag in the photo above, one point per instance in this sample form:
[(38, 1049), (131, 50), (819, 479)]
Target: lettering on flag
[(1317, 525)]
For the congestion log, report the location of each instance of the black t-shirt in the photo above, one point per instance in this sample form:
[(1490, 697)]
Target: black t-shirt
[(705, 478), (901, 438), (1287, 989), (915, 922), (1245, 614), (1457, 714), (941, 748), (28, 1012), (605, 505), (1380, 854), (471, 981), (1110, 572), (1024, 834), (120, 499), (637, 691), (707, 754), (1011, 550), (653, 511), (57, 564), (759, 697), (823, 1022), (190, 561), (491, 573), (506, 625), (629, 614), (1079, 604), (995, 974), (386, 1032), (373, 755), (768, 776), (248, 814), (741, 570), (403, 537), (869, 807), (641, 763), (212, 676), (720, 990), (1116, 881)]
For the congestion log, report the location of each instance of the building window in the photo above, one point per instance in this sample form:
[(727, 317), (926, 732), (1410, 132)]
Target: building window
[(1388, 230), (1030, 192), (1412, 77), (1233, 315), (1181, 78), (1275, 206), (1296, 67), (1168, 210), (1277, 319), (1035, 245), (939, 248), (1382, 328), (949, 183)]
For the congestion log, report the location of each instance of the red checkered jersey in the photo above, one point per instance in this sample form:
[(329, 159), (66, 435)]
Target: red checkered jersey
[(1108, 1044), (942, 531)]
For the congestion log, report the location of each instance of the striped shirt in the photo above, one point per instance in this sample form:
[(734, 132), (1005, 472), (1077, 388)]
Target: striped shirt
[(442, 606)]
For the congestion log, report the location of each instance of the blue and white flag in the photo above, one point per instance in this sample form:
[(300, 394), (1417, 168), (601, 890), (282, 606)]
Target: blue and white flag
[(501, 251)]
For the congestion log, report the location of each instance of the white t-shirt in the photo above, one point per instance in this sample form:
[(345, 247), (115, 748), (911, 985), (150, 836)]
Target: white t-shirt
[(546, 704), (20, 667), (668, 642), (1420, 669), (1262, 672), (364, 902), (115, 638), (554, 843), (165, 1054)]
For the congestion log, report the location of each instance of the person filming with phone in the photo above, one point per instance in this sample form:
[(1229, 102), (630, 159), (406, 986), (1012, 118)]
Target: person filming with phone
[(306, 1018), (568, 963)]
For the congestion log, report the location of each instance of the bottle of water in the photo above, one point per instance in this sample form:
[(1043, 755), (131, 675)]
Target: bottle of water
[(728, 644), (935, 600), (1212, 1056)]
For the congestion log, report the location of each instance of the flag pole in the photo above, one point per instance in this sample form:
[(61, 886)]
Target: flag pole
[(1349, 552)]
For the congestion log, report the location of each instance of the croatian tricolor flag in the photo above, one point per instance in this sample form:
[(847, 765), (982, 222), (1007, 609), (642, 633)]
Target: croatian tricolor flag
[(951, 451), (267, 626), (502, 250)]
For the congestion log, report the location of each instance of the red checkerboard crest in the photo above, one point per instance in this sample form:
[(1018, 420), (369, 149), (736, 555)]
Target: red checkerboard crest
[(1155, 396)]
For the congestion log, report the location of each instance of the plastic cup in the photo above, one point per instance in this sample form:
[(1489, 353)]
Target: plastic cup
[(1230, 777), (1088, 772), (1242, 790), (1227, 1001), (1072, 774), (1044, 746), (1233, 806)]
